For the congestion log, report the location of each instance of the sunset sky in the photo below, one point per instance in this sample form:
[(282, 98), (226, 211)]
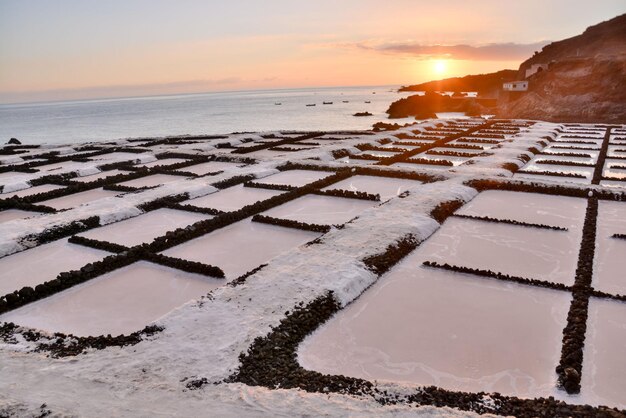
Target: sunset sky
[(68, 49)]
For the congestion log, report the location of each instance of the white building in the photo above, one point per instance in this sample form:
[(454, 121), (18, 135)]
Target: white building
[(515, 86), (535, 68)]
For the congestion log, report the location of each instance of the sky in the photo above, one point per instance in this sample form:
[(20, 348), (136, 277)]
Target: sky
[(73, 49)]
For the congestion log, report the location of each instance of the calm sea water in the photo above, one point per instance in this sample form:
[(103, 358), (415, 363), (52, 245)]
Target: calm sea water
[(209, 113)]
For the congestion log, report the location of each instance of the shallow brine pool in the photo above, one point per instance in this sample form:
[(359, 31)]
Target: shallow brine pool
[(242, 246), (144, 228), (119, 302)]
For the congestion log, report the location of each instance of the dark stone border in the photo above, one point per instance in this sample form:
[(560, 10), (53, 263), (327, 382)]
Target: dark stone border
[(570, 366), (510, 222), (565, 154), (426, 161), (496, 275), (287, 223), (349, 194), (564, 163), (61, 231), (553, 174), (597, 174)]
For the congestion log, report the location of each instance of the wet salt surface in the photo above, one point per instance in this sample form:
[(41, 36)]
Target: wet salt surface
[(119, 302), (242, 246), (544, 157), (12, 177), (63, 166), (233, 198), (152, 180), (13, 214), (77, 199), (325, 210), (431, 327), (604, 368), (43, 263), (348, 160), (295, 178), (553, 179), (101, 175), (210, 167), (382, 154), (421, 167), (144, 228), (31, 190), (548, 152), (613, 183), (520, 251), (117, 156), (585, 171), (386, 187), (610, 256), (562, 211)]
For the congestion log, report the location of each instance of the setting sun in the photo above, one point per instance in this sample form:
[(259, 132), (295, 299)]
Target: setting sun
[(439, 67)]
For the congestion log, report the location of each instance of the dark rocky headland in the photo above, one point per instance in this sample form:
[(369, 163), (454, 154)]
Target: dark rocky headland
[(579, 79)]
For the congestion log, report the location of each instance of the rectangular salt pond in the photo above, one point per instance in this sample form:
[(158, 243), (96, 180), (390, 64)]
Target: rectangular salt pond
[(604, 368), (356, 161), (459, 332), (43, 263), (233, 198), (242, 246), (295, 178), (63, 167), (613, 183), (515, 250), (552, 179), (9, 177), (549, 152), (324, 210), (210, 167), (119, 302), (31, 190), (13, 214), (386, 187), (421, 167), (562, 211), (117, 157), (77, 199), (152, 180), (100, 175), (610, 256), (584, 171), (561, 159), (381, 154), (144, 228)]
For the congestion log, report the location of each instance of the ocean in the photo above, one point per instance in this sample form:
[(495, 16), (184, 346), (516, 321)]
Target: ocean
[(196, 114)]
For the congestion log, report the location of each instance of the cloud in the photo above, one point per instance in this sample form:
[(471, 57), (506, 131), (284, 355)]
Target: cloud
[(490, 52)]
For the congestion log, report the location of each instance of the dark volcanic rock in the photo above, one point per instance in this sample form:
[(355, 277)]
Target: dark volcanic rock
[(584, 81), (426, 106), (487, 85), (14, 141)]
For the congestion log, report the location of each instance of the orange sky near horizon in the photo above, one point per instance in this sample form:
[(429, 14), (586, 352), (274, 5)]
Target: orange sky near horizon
[(67, 49)]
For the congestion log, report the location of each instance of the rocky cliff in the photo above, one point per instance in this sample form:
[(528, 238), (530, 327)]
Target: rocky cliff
[(585, 80), (487, 85)]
